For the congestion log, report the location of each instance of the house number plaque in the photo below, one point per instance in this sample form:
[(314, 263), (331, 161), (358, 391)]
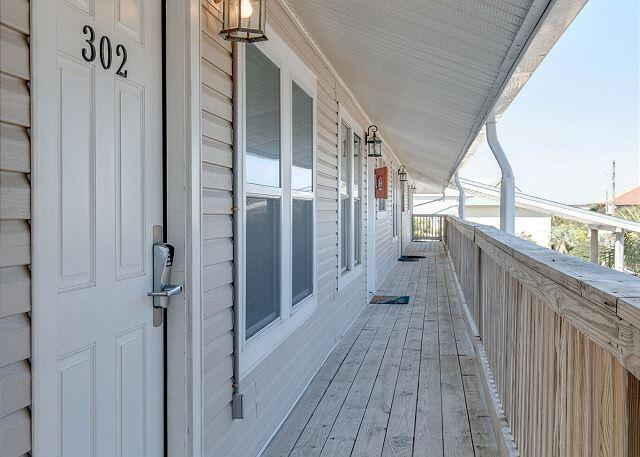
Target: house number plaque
[(106, 53)]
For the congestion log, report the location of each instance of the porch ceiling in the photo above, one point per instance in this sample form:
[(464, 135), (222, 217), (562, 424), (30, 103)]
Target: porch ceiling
[(427, 72)]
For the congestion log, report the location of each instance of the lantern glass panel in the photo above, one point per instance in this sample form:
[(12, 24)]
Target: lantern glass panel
[(403, 174), (374, 147), (244, 20)]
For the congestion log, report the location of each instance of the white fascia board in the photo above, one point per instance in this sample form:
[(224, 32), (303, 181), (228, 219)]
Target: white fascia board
[(591, 218)]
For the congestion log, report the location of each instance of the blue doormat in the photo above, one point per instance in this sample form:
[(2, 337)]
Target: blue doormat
[(410, 258), (390, 300)]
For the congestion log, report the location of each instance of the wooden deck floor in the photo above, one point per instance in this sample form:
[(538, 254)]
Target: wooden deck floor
[(402, 381)]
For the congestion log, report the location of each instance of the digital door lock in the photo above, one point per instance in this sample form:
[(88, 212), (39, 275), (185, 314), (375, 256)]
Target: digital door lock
[(162, 262)]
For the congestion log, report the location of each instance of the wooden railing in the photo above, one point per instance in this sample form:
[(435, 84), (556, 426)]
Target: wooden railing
[(559, 339), (426, 227)]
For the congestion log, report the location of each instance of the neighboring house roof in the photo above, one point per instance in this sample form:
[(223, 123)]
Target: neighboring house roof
[(432, 201), (629, 198), (479, 200)]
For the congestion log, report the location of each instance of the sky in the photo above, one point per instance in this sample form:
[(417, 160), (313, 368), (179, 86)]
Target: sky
[(578, 112)]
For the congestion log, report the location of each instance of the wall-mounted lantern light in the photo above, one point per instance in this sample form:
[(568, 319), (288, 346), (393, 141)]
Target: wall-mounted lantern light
[(402, 173), (372, 142), (244, 20), (413, 188)]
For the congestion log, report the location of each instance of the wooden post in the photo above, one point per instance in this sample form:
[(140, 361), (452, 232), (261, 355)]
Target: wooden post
[(443, 230), (477, 287), (413, 230), (594, 245), (619, 250), (633, 415)]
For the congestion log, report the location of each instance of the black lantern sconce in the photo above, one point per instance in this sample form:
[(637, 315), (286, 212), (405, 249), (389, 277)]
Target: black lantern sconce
[(402, 173), (372, 142), (244, 20), (413, 188)]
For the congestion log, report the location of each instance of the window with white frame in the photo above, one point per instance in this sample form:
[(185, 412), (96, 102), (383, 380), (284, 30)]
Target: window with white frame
[(357, 198), (302, 194), (345, 196), (263, 185), (277, 187), (394, 200), (350, 171)]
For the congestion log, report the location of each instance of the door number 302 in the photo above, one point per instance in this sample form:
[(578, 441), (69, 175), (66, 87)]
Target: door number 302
[(89, 54)]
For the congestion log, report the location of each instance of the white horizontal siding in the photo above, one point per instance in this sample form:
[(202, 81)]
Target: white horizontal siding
[(217, 222), (15, 237)]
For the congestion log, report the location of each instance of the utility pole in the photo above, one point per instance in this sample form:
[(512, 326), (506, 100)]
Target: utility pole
[(618, 236), (611, 203)]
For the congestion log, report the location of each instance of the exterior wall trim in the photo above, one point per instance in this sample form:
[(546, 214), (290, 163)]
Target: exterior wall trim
[(44, 268), (184, 223)]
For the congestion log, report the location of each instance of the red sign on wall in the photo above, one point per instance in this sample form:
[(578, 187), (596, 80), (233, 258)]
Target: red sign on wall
[(381, 182)]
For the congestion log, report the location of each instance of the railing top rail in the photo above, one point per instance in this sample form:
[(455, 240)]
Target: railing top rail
[(597, 291), (594, 282)]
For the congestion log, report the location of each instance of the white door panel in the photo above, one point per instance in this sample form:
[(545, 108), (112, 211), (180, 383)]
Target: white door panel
[(110, 356)]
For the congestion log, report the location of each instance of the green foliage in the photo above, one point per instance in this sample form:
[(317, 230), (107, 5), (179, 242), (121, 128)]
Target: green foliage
[(567, 235), (572, 238), (607, 251), (631, 243), (582, 250)]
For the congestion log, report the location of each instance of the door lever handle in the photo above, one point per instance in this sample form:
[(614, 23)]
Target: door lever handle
[(167, 291)]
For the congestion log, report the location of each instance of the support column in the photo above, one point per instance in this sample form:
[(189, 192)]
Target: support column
[(594, 245), (461, 197), (507, 183), (619, 250)]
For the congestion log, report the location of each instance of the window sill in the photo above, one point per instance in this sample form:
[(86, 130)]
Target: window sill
[(267, 340), (349, 276)]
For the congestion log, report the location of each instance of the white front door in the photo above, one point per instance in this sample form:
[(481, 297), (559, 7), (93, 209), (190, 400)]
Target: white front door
[(110, 356)]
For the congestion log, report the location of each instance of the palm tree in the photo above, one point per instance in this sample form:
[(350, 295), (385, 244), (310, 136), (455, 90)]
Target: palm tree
[(562, 239)]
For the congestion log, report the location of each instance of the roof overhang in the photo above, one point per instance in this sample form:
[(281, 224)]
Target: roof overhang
[(557, 18), (430, 73)]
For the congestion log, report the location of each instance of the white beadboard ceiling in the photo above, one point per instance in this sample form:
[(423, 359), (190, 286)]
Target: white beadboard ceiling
[(427, 72)]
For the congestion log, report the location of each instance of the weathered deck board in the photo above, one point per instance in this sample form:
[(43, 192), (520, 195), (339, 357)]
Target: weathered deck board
[(402, 382), (345, 429)]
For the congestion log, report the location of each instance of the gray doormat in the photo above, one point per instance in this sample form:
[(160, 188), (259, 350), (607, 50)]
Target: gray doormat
[(390, 300)]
